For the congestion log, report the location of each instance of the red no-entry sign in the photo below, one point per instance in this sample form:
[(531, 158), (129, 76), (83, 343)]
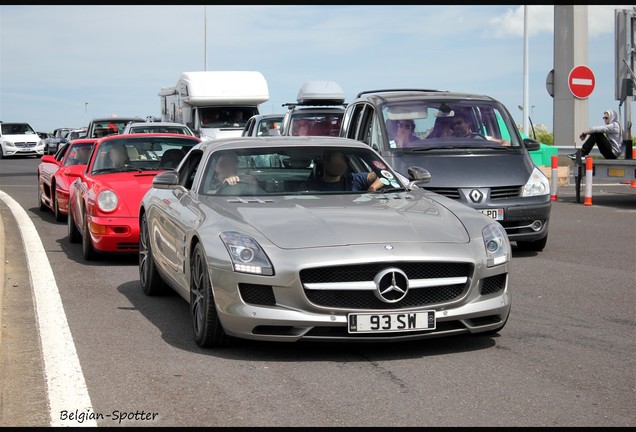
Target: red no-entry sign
[(581, 81)]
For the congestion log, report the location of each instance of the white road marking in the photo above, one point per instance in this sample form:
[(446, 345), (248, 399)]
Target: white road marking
[(67, 390)]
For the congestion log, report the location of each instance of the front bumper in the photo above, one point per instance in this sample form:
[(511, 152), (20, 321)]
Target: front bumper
[(278, 308), (114, 234)]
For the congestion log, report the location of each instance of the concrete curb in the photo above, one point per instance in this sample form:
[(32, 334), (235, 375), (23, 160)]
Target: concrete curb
[(2, 273)]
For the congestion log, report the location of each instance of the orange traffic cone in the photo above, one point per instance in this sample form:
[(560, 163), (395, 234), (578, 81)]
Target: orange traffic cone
[(589, 169)]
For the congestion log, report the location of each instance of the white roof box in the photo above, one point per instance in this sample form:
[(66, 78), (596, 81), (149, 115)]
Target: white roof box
[(320, 93)]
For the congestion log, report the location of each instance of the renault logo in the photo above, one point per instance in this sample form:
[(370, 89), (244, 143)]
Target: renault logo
[(476, 196), (392, 285)]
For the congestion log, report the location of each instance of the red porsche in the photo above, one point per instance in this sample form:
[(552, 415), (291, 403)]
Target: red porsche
[(57, 172), (104, 200)]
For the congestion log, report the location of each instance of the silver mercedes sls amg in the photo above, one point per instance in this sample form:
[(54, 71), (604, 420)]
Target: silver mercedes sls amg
[(318, 238)]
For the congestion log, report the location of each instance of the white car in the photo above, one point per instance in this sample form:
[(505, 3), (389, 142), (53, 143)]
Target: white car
[(157, 127), (19, 139)]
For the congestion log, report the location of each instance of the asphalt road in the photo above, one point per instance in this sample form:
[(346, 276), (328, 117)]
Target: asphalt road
[(567, 356)]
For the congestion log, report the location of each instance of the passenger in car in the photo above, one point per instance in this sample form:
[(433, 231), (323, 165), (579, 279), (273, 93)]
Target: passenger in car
[(301, 127), (404, 134), (335, 176), (100, 132)]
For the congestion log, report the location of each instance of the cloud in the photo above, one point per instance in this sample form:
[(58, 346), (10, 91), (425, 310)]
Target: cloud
[(541, 21)]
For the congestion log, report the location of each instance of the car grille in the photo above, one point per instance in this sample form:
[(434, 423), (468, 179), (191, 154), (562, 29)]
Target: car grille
[(496, 193), (257, 294), (493, 284), (367, 299), (23, 144)]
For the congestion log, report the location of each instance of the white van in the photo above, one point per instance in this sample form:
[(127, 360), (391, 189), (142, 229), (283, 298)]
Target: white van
[(214, 104)]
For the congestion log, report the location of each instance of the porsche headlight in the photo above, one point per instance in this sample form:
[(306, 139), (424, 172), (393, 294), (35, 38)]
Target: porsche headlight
[(537, 184), (107, 201), (246, 254), (496, 244)]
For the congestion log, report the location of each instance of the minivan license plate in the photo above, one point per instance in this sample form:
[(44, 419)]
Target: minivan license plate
[(391, 322), (496, 214)]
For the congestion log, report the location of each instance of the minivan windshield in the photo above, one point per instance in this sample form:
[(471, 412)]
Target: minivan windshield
[(430, 124)]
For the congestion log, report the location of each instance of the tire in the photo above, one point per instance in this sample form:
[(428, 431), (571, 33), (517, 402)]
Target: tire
[(59, 217), (41, 206), (206, 325), (87, 247), (74, 235), (151, 282), (533, 246)]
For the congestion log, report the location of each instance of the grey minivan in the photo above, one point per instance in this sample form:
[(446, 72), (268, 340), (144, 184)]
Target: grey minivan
[(471, 147)]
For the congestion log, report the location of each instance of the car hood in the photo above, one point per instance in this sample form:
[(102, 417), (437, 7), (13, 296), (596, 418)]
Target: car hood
[(328, 220), (129, 187), (459, 169), (22, 137)]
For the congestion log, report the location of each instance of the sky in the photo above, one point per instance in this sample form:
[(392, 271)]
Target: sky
[(62, 65)]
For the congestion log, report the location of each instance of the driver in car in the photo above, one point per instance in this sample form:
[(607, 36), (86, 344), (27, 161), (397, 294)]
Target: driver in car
[(461, 128), (226, 172)]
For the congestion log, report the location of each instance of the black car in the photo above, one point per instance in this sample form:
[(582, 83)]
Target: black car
[(468, 143)]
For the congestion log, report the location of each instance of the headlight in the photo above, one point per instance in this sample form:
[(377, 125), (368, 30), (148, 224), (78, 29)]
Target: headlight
[(496, 244), (246, 254), (536, 185), (107, 201), (8, 143)]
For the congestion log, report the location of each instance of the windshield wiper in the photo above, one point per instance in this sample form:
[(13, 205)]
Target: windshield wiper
[(116, 169), (393, 189)]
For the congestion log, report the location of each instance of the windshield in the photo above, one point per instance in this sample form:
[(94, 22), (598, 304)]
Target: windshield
[(448, 124), (297, 170), (78, 154), (16, 129), (219, 117), (109, 127), (269, 124), (160, 129), (140, 154), (316, 124)]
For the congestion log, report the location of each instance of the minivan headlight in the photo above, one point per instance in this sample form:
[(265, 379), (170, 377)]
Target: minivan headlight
[(537, 184), (496, 244)]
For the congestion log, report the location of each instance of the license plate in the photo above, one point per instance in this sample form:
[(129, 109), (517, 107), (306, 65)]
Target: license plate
[(496, 214), (391, 322)]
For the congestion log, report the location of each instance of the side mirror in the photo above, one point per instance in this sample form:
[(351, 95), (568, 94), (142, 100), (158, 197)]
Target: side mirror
[(418, 175), (166, 179), (531, 144), (49, 159), (74, 170)]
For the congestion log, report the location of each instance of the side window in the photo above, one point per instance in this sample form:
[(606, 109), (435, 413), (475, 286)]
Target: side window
[(368, 127), (61, 152), (189, 168), (354, 121), (376, 135)]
